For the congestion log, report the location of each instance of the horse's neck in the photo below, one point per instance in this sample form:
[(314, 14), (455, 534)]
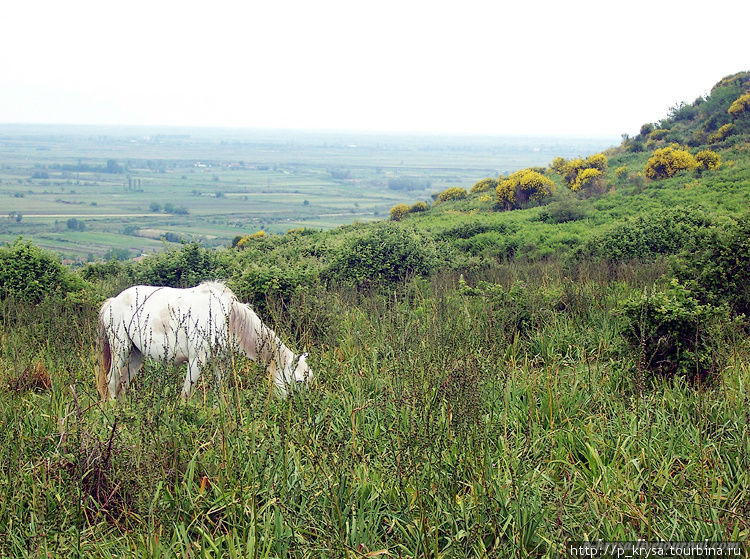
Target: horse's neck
[(264, 345), (282, 355)]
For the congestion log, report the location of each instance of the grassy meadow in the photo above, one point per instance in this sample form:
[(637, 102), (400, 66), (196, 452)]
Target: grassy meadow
[(494, 376), (445, 421)]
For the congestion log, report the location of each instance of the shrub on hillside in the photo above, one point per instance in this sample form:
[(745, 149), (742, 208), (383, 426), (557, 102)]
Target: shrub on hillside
[(697, 138), (563, 211), (418, 207), (708, 160), (398, 212), (31, 274), (589, 180), (621, 174), (379, 256), (521, 187), (667, 162), (646, 129), (645, 236), (468, 230), (259, 284), (673, 334), (740, 106), (484, 185), (452, 193), (184, 267), (722, 133), (244, 241), (635, 146), (557, 165), (582, 174), (718, 272)]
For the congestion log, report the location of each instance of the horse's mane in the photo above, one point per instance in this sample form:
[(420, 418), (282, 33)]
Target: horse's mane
[(255, 337)]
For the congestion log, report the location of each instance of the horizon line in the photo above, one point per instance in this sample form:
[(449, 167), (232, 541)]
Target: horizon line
[(304, 130)]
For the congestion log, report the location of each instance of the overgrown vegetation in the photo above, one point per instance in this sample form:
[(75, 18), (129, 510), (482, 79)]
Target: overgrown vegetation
[(494, 376)]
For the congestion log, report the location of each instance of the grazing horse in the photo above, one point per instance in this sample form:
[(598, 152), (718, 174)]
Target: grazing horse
[(187, 325)]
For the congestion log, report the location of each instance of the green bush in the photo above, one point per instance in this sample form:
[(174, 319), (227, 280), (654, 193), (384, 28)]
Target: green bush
[(519, 309), (260, 284), (381, 255), (31, 274), (563, 211), (719, 272), (184, 267), (648, 235), (673, 334), (468, 230), (490, 244)]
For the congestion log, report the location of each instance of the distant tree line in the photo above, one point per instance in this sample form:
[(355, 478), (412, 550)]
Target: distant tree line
[(111, 166), (408, 183), (340, 174)]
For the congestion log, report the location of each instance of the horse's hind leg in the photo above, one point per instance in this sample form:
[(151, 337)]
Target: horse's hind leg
[(114, 378), (134, 362), (119, 374)]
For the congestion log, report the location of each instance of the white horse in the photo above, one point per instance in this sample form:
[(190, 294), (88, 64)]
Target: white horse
[(193, 325)]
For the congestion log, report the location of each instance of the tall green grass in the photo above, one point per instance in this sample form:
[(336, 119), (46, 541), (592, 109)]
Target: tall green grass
[(492, 414)]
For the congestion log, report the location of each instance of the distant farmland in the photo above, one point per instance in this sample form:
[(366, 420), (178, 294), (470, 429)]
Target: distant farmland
[(98, 192)]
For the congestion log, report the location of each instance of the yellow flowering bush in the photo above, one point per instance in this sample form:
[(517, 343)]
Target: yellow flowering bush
[(452, 193), (484, 185), (418, 207), (721, 134), (740, 106), (571, 170), (667, 162), (558, 164), (621, 173), (522, 186), (399, 211), (587, 179), (243, 242), (708, 160)]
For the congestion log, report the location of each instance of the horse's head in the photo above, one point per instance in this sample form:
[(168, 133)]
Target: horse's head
[(294, 374), (302, 372)]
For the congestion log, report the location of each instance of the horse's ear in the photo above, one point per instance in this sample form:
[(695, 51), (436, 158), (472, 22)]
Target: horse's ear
[(304, 355)]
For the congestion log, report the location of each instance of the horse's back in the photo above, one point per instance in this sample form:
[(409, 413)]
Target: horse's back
[(156, 314), (136, 305)]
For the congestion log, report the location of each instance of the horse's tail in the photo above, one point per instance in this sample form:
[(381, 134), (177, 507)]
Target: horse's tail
[(105, 355)]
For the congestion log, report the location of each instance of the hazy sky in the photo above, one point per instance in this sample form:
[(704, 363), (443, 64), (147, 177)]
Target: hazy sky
[(526, 67)]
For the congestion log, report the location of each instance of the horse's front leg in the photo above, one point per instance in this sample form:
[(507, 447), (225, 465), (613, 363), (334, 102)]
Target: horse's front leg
[(191, 378)]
